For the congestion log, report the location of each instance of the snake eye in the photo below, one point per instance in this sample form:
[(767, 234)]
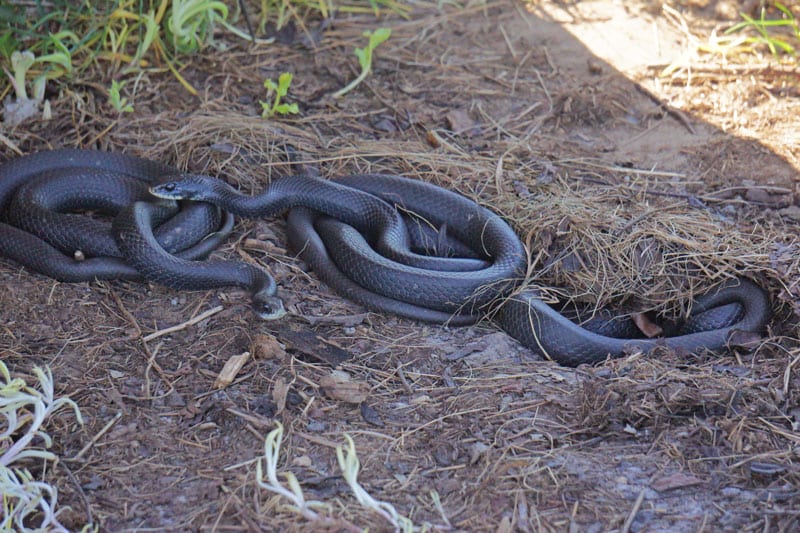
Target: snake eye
[(169, 187)]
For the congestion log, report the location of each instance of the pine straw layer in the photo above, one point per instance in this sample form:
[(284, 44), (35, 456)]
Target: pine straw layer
[(595, 233)]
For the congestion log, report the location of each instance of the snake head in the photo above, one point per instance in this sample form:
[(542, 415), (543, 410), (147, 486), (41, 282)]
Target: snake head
[(196, 187), (268, 307)]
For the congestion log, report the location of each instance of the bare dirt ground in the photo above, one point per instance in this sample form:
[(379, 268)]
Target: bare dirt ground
[(554, 114)]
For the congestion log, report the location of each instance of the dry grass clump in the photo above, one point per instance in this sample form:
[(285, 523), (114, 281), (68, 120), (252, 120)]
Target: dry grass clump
[(615, 241)]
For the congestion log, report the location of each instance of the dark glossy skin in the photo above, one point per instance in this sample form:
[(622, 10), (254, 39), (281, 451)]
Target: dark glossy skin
[(133, 228), (63, 179), (358, 246)]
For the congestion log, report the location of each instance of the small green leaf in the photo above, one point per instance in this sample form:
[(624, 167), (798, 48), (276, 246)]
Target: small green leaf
[(284, 81), (364, 58), (378, 36), (117, 101), (266, 109), (286, 109)]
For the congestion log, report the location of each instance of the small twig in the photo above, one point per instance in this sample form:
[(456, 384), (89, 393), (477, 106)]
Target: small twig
[(152, 363), (676, 113), (11, 145), (183, 325), (733, 69), (247, 22), (626, 527), (84, 499), (94, 439), (127, 314), (403, 380), (343, 320)]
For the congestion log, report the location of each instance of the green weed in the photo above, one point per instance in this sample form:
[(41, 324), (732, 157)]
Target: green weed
[(189, 23), (117, 101), (277, 92), (267, 478), (364, 56), (66, 37), (766, 30)]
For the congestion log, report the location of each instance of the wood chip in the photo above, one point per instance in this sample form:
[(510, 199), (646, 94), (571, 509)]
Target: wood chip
[(279, 392), (675, 481), (230, 370), (267, 346), (339, 386)]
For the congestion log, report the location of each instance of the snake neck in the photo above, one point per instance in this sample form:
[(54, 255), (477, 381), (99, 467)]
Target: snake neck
[(353, 207)]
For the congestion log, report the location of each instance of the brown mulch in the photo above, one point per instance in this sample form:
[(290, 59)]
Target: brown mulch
[(456, 428)]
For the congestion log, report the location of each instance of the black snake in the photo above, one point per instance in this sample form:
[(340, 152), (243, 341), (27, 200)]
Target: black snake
[(361, 248), (35, 230)]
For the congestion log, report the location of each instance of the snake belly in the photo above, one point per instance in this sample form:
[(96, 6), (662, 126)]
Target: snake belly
[(367, 258)]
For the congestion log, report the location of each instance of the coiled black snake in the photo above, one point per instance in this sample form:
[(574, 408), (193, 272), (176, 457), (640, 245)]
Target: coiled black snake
[(339, 247), (364, 253), (35, 189)]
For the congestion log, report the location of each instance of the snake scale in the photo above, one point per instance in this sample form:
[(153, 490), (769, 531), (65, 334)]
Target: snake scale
[(350, 232)]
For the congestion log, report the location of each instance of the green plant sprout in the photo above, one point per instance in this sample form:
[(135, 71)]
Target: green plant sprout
[(364, 56), (25, 105), (60, 55), (117, 101), (56, 63), (21, 62), (190, 22), (763, 27), (278, 91), (150, 35), (267, 478), (25, 409)]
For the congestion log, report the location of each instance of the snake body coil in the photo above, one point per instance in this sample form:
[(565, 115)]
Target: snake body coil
[(349, 231), (393, 280), (37, 234)]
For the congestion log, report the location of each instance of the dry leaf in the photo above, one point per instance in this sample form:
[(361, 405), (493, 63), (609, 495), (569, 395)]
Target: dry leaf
[(476, 450), (646, 326), (303, 461), (266, 346), (338, 386), (460, 123), (433, 139), (744, 339), (230, 370), (505, 526), (371, 415), (279, 392)]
